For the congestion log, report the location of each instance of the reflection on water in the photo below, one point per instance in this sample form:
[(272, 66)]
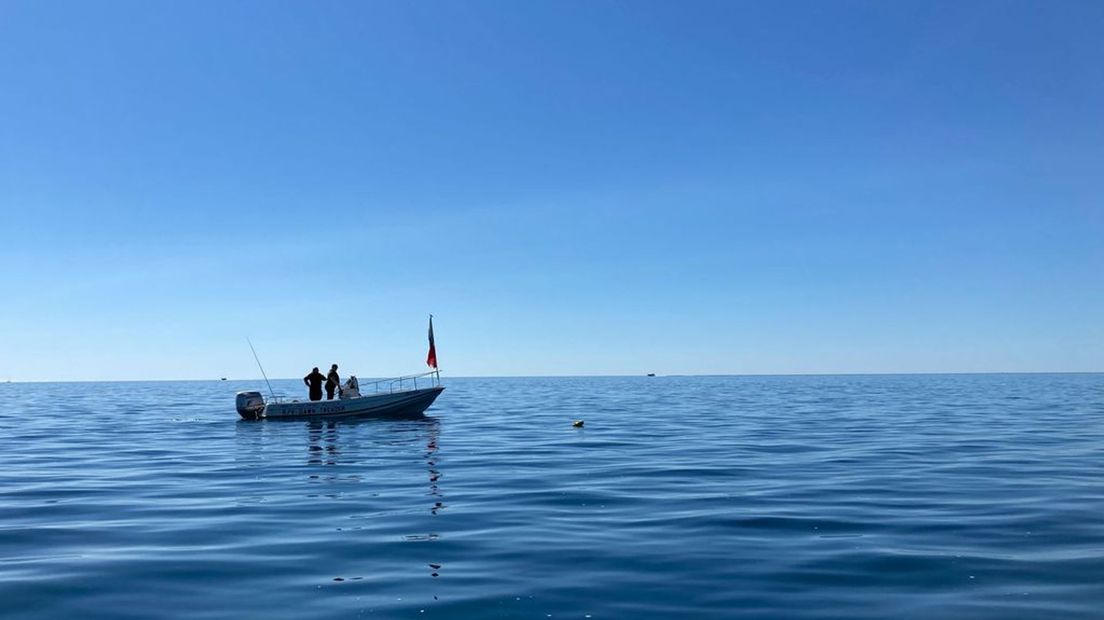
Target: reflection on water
[(337, 442), (322, 446), (431, 464), (796, 498), (434, 487), (363, 465)]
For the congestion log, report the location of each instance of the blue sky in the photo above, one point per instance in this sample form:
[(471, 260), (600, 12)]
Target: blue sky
[(570, 187)]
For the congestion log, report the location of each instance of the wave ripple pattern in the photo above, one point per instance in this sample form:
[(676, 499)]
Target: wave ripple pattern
[(923, 496)]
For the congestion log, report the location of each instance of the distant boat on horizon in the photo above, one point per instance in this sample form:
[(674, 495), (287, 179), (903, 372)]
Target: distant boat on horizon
[(651, 374)]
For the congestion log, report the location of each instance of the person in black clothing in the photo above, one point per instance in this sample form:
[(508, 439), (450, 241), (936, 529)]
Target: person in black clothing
[(332, 381), (314, 382)]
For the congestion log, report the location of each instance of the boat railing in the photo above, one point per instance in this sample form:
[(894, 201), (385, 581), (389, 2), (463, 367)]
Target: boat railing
[(390, 385), (406, 383)]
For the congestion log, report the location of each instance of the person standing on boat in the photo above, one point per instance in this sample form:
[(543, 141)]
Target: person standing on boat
[(314, 382), (332, 381)]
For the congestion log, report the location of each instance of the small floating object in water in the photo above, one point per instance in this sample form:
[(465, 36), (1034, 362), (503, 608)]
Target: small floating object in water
[(651, 374), (577, 423)]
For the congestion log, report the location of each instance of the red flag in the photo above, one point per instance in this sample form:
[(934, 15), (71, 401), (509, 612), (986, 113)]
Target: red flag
[(431, 359)]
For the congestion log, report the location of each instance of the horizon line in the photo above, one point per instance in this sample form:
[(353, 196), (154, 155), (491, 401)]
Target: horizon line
[(596, 376)]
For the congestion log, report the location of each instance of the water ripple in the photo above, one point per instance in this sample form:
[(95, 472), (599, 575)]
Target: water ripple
[(707, 497)]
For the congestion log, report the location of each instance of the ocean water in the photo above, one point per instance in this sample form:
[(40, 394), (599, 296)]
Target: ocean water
[(937, 496)]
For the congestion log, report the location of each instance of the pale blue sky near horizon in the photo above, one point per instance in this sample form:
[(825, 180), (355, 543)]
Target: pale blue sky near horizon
[(570, 188)]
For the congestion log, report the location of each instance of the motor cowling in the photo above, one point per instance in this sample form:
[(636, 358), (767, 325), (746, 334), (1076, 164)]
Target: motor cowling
[(250, 405)]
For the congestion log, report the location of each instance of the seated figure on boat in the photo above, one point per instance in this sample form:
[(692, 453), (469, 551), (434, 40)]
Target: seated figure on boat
[(351, 389)]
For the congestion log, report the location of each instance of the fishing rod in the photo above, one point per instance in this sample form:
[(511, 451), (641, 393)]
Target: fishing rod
[(261, 367)]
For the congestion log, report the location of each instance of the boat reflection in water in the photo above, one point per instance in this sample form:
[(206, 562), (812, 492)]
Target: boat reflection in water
[(322, 446), (375, 484), (348, 443)]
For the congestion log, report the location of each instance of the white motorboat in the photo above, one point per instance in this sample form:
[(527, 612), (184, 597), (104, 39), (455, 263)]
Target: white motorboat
[(395, 397)]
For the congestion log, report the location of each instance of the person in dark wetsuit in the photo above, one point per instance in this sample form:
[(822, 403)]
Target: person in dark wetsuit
[(332, 381), (314, 382)]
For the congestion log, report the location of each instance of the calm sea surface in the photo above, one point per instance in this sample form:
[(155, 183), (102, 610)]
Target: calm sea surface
[(707, 497)]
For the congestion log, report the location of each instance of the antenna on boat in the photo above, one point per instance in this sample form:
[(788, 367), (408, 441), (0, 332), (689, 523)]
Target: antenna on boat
[(261, 367)]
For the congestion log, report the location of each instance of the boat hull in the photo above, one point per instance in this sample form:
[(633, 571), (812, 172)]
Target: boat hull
[(399, 404)]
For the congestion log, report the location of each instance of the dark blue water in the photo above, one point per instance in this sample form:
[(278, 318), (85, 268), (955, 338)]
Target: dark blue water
[(708, 497)]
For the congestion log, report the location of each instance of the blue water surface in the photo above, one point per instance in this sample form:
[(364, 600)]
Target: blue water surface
[(923, 496)]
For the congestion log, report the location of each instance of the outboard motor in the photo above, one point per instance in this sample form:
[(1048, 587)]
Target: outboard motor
[(250, 405)]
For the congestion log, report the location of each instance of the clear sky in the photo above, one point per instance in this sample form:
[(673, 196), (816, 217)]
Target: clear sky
[(570, 187)]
